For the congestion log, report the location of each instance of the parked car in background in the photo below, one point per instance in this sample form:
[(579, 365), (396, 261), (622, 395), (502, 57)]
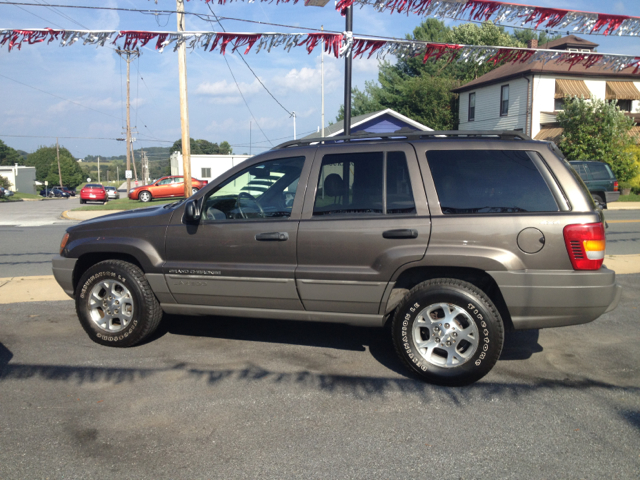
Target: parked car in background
[(600, 180), (166, 187), (93, 192), (112, 193), (71, 193), (54, 192), (5, 192)]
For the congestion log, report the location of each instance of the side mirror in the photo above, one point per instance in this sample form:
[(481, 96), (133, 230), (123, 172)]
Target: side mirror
[(192, 211)]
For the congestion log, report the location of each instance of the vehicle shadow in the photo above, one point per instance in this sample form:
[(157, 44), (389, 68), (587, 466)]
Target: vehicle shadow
[(5, 356), (518, 345)]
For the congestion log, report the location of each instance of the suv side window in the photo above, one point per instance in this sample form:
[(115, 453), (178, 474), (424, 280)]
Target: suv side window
[(489, 181), (260, 192), (364, 183), (600, 172)]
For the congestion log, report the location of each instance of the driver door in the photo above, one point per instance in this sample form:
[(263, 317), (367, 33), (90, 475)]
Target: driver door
[(242, 253)]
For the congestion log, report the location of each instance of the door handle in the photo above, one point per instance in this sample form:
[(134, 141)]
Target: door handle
[(272, 237), (401, 233)]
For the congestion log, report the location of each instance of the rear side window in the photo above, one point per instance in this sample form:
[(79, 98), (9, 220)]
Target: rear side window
[(489, 181), (600, 171), (364, 183)]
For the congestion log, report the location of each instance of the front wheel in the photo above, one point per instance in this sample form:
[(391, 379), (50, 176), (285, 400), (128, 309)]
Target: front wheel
[(116, 305), (144, 197), (448, 332)]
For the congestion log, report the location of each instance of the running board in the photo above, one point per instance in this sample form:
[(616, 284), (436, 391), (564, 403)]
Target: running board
[(299, 315)]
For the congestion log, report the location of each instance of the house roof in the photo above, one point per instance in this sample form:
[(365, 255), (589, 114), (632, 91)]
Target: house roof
[(338, 127), (570, 41), (514, 70)]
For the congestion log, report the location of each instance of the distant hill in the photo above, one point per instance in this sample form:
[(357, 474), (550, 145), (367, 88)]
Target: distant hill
[(159, 162)]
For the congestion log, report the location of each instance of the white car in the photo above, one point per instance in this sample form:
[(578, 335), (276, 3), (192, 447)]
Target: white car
[(112, 193)]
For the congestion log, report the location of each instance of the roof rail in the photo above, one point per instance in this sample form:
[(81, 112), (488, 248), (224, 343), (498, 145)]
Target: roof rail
[(404, 135)]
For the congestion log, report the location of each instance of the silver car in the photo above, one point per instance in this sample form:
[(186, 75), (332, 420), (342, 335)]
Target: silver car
[(112, 193)]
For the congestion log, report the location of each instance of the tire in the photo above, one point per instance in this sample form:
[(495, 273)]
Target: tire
[(470, 314), (599, 201), (145, 196), (134, 318), (194, 191), (82, 201)]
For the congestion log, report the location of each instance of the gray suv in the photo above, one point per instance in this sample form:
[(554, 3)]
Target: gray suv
[(449, 238)]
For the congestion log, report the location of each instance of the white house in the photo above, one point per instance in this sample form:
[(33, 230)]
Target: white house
[(206, 167), (22, 178), (526, 97)]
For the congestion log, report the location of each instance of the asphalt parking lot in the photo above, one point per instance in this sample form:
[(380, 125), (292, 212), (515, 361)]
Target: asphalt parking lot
[(212, 397)]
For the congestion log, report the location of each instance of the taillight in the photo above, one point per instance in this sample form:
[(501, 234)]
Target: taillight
[(586, 245), (615, 186)]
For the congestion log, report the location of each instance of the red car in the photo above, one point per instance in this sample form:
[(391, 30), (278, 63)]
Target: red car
[(172, 186), (93, 192)]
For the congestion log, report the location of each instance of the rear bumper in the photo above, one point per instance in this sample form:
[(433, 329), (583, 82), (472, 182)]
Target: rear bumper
[(611, 196), (63, 272), (557, 298)]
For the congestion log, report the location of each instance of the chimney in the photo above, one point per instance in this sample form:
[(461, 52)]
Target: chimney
[(533, 43)]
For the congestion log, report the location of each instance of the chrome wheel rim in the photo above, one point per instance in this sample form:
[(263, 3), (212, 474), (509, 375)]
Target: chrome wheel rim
[(445, 335), (110, 306), (194, 191), (144, 196)]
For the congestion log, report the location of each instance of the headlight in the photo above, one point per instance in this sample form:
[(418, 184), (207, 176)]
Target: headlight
[(63, 243), (131, 191)]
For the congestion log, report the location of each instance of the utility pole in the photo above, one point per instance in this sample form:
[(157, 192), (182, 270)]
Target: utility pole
[(348, 60), (322, 79), (184, 105), (293, 114), (58, 157), (98, 168), (128, 55), (133, 160), (118, 174)]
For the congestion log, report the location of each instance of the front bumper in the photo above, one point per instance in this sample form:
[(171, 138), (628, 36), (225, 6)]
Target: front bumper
[(557, 298), (63, 272)]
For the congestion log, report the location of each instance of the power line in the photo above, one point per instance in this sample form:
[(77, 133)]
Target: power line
[(58, 96), (243, 99), (41, 18), (63, 15), (245, 62)]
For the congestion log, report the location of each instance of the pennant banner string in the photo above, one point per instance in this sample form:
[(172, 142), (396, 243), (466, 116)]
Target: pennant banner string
[(500, 13), (336, 44)]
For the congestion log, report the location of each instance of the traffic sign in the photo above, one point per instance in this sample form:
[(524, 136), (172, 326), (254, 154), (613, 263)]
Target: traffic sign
[(128, 174)]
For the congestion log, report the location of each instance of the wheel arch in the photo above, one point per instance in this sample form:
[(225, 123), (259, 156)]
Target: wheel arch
[(88, 260), (413, 276)]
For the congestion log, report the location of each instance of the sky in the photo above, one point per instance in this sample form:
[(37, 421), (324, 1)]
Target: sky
[(79, 91)]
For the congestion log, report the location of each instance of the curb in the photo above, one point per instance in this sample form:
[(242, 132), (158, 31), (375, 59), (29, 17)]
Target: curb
[(623, 206)]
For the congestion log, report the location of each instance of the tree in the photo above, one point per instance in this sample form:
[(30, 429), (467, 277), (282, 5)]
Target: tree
[(422, 91), (524, 36), (203, 147), (5, 183), (597, 130), (44, 159), (9, 156)]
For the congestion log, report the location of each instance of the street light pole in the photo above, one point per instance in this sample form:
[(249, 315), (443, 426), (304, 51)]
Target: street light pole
[(348, 60)]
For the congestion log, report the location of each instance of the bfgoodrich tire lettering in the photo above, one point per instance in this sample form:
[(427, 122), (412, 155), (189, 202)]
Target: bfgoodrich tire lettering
[(115, 288), (448, 332)]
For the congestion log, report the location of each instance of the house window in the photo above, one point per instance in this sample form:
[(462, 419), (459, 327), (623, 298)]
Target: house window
[(504, 100), (472, 107), (206, 173), (558, 104), (624, 105)]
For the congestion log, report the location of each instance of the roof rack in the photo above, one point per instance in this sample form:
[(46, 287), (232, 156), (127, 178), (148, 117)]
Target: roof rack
[(403, 134)]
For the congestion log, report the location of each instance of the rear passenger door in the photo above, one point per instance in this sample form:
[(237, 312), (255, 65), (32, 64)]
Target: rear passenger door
[(365, 215)]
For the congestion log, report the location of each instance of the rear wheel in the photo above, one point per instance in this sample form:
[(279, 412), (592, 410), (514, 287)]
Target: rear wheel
[(194, 191), (82, 201), (448, 332), (145, 196), (116, 305), (599, 201)]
